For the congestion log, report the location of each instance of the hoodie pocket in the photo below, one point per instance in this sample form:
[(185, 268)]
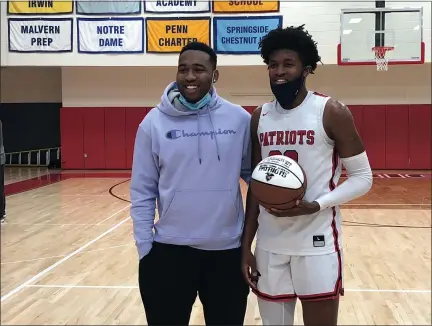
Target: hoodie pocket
[(201, 214)]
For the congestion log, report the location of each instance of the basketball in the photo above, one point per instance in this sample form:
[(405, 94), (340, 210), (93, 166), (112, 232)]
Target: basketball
[(278, 182)]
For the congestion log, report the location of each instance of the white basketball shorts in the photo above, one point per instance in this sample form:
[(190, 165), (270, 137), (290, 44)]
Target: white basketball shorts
[(309, 278)]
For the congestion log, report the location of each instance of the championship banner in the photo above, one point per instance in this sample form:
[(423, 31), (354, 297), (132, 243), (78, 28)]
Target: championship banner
[(171, 35), (243, 7), (111, 35), (36, 35), (40, 7), (176, 6), (115, 7), (241, 35)]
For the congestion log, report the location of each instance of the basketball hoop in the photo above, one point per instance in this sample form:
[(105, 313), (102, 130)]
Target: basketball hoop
[(380, 59)]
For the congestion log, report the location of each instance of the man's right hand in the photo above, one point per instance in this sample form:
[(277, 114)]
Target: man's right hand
[(250, 272)]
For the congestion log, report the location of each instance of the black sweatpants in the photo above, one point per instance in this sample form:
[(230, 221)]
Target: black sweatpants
[(170, 277)]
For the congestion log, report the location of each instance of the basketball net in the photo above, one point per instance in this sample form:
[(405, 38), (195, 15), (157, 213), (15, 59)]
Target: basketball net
[(380, 58)]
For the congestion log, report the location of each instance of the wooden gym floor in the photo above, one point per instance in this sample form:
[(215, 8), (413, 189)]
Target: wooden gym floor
[(68, 254)]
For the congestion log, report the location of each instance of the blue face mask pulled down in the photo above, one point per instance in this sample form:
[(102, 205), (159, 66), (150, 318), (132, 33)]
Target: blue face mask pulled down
[(195, 106)]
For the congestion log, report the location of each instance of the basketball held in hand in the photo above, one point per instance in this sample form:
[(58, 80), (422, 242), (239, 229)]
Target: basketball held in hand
[(278, 182)]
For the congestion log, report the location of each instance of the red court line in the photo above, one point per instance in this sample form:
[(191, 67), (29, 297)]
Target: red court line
[(53, 177)]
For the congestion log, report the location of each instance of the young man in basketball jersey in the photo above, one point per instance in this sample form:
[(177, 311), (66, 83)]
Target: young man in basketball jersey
[(190, 153), (299, 251)]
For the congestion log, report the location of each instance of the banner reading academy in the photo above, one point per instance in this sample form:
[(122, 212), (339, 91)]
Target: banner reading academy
[(45, 7), (240, 7), (117, 7), (176, 6), (111, 35), (170, 35), (35, 35), (241, 35)]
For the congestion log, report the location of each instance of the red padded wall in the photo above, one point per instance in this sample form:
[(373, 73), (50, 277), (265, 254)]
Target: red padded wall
[(134, 116), (250, 109), (420, 136), (72, 138), (115, 138), (374, 134), (94, 138), (397, 137), (357, 113)]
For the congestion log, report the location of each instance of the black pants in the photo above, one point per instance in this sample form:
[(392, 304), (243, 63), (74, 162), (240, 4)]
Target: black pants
[(170, 277), (2, 191)]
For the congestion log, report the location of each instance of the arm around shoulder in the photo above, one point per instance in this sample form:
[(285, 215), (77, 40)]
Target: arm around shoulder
[(143, 190)]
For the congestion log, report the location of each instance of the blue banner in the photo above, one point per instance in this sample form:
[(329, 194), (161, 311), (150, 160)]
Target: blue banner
[(241, 35), (117, 7)]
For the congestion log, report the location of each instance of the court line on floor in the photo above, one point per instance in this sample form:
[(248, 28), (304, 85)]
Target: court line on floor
[(60, 256), (72, 286), (116, 213), (48, 269)]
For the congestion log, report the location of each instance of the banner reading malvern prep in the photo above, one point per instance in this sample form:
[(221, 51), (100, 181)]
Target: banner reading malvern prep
[(176, 6), (242, 7), (171, 35), (111, 35), (45, 7), (241, 35), (35, 35)]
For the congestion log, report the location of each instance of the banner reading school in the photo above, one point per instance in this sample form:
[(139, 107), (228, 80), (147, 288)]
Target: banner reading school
[(111, 35), (40, 7), (35, 35), (171, 35), (243, 7), (241, 35)]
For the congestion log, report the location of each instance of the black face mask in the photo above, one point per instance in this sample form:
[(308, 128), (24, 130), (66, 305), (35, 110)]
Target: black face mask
[(286, 93)]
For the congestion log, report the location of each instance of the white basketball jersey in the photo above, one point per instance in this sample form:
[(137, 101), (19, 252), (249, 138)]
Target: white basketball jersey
[(299, 133)]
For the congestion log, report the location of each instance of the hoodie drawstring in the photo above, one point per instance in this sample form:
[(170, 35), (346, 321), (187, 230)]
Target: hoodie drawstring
[(199, 136), (214, 133)]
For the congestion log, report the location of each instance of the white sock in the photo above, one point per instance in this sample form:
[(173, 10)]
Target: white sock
[(277, 313)]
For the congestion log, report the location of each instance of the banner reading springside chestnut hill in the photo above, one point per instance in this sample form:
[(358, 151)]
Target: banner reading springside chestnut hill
[(170, 35), (40, 7), (242, 7)]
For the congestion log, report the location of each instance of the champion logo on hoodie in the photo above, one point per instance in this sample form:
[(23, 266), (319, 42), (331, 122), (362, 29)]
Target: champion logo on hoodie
[(176, 133)]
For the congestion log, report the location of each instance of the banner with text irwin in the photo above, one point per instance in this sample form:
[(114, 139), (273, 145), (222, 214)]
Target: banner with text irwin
[(40, 7)]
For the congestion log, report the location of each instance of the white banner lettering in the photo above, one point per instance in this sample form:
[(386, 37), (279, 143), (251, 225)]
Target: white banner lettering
[(40, 35), (111, 35), (176, 6)]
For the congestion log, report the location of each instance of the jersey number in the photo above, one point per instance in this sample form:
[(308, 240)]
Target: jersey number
[(288, 153)]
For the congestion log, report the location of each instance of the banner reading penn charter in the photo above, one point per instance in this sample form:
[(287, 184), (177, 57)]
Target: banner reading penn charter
[(101, 7), (40, 7), (36, 35), (176, 6), (111, 35), (242, 7), (241, 35), (171, 35)]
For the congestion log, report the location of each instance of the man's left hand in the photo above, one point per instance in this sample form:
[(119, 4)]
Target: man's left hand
[(302, 208)]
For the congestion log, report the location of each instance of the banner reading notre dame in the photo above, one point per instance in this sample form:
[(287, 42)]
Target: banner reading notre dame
[(40, 7), (171, 35)]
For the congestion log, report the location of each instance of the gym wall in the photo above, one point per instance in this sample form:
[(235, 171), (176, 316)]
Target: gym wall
[(102, 108)]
